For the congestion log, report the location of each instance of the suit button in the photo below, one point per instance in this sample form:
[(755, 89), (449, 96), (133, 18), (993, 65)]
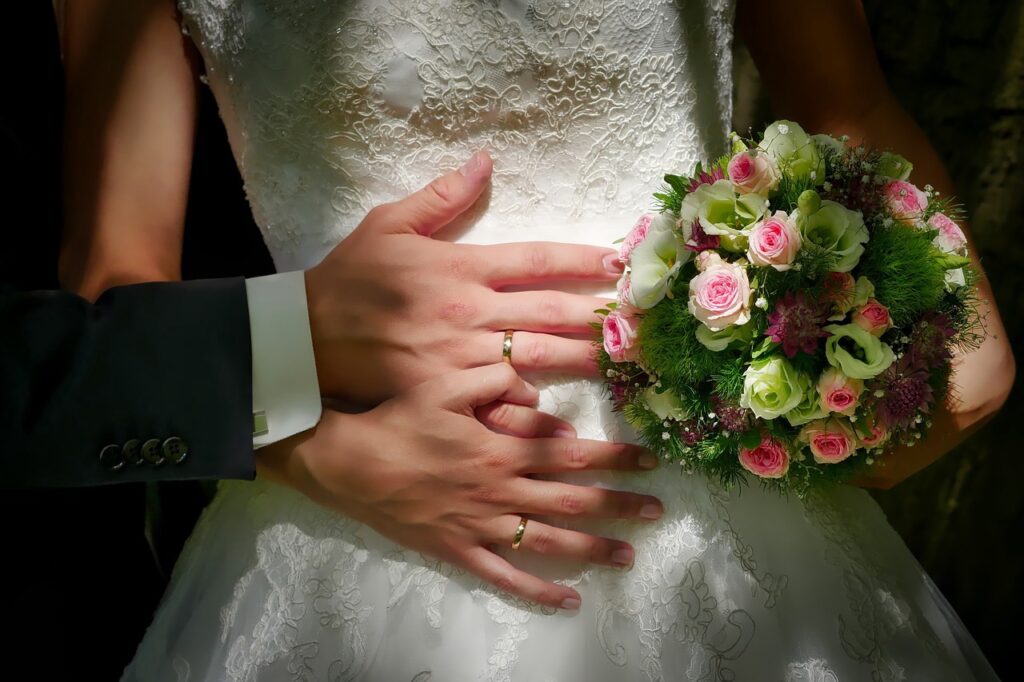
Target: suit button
[(151, 452), (132, 452), (175, 449), (110, 457)]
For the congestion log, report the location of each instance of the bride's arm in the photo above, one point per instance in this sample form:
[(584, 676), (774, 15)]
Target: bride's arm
[(130, 121), (819, 66)]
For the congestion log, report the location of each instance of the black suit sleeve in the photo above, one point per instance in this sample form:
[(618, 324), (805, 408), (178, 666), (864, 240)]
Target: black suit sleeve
[(153, 382)]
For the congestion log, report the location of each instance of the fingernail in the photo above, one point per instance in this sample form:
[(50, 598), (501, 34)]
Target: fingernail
[(565, 433), (571, 604), (647, 461), (623, 558), (613, 265), (472, 167), (650, 511)]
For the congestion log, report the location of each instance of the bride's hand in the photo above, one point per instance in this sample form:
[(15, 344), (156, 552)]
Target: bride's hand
[(391, 307), (423, 471)]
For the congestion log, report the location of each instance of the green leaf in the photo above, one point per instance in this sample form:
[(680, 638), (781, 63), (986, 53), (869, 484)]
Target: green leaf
[(766, 347), (751, 439)]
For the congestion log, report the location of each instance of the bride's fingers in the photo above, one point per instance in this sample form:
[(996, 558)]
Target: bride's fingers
[(523, 422), (554, 312), (542, 353), (527, 262), (554, 498), (490, 567), (541, 538), (544, 456)]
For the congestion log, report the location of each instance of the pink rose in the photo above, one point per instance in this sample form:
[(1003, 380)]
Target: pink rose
[(872, 317), (838, 392), (753, 173), (879, 434), (720, 295), (774, 241), (635, 236), (619, 332), (768, 460), (831, 440), (904, 200), (951, 238)]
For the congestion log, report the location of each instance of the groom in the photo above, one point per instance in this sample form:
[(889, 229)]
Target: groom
[(156, 382)]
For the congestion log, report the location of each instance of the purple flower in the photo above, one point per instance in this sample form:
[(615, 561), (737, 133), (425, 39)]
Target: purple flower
[(706, 178), (796, 323), (732, 417), (928, 342), (905, 392), (700, 240)]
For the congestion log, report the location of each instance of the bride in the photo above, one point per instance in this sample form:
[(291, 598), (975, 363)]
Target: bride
[(333, 108)]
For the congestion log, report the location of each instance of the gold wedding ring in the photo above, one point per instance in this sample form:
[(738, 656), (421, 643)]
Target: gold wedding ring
[(520, 531), (506, 347)]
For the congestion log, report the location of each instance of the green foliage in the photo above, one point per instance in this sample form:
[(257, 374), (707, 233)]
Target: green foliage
[(903, 265), (729, 379), (670, 346), (789, 190)]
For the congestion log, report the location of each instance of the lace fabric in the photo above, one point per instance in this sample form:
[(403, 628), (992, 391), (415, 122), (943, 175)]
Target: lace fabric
[(334, 107)]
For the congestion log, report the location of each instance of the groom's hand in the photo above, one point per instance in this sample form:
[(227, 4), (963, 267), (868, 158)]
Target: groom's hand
[(423, 471), (391, 307)]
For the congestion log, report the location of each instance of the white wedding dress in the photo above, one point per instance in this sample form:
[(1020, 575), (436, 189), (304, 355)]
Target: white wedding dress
[(335, 106)]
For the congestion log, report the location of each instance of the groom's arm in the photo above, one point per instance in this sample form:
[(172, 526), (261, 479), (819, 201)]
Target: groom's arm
[(152, 382)]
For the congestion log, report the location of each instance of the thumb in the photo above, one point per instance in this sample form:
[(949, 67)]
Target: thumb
[(444, 199), (468, 389)]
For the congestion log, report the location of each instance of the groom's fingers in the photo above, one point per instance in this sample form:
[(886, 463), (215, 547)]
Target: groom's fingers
[(554, 312), (542, 353), (528, 262), (490, 567), (557, 499), (541, 538), (431, 208), (523, 422), (552, 456)]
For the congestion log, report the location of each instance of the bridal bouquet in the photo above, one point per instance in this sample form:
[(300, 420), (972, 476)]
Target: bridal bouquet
[(791, 311)]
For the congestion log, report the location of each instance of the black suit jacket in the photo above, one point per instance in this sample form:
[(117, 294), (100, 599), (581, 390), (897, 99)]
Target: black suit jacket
[(77, 570)]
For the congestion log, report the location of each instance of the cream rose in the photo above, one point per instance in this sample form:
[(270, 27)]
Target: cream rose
[(831, 440), (834, 228), (838, 392), (772, 387), (774, 242), (720, 295), (753, 172)]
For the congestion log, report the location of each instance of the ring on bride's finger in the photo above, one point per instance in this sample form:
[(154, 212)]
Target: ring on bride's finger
[(517, 539), (506, 347)]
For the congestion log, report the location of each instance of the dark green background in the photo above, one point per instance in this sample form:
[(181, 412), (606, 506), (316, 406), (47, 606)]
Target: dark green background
[(958, 67)]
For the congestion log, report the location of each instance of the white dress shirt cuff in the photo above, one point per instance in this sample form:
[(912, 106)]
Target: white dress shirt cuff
[(285, 391)]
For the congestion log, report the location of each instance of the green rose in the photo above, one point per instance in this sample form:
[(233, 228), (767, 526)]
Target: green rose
[(856, 352), (893, 166), (720, 340), (666, 405), (809, 408), (794, 151), (836, 229), (654, 264), (723, 212), (772, 387)]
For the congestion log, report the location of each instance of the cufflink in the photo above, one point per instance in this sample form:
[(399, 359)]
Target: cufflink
[(260, 427)]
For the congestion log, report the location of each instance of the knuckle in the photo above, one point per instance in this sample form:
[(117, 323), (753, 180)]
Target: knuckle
[(380, 213), (575, 455), (440, 191), (551, 311), (456, 311), (537, 354), (538, 262), (502, 414), (497, 461), (505, 583), (542, 541), (483, 494), (571, 504), (458, 267)]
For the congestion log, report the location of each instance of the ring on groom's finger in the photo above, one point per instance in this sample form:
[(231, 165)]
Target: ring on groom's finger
[(517, 539), (506, 347)]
